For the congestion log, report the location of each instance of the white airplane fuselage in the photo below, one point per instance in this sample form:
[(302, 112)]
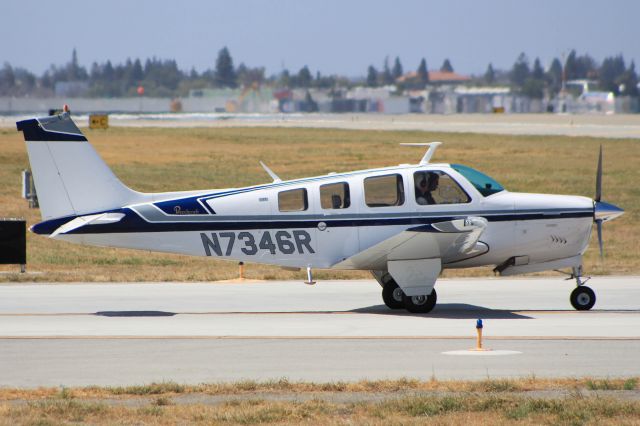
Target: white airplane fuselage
[(247, 225)]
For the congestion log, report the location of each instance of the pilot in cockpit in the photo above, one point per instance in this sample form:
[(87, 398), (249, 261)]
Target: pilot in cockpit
[(425, 184)]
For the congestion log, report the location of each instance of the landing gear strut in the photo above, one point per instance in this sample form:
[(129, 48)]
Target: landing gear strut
[(582, 297)]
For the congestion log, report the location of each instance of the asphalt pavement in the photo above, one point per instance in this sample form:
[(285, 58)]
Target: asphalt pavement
[(123, 334)]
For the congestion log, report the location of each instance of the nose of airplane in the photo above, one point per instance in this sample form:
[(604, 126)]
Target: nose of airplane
[(605, 212)]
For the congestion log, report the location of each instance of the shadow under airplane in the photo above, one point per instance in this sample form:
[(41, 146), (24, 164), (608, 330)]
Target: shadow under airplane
[(449, 311), (444, 310)]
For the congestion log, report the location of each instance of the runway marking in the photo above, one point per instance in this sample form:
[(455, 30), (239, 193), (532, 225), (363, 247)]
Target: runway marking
[(488, 352), (187, 337)]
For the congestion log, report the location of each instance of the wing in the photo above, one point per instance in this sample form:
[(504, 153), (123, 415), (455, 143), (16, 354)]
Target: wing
[(414, 257), (448, 241)]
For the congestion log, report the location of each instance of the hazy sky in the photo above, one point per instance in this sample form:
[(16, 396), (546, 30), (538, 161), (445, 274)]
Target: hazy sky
[(333, 36)]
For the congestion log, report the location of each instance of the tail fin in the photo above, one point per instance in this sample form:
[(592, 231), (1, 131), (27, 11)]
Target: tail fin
[(70, 177)]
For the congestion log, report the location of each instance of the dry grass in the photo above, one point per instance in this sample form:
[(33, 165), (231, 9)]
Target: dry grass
[(216, 158), (161, 389), (384, 402)]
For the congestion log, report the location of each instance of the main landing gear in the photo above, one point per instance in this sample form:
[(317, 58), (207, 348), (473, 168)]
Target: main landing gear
[(394, 298), (582, 297), (392, 295)]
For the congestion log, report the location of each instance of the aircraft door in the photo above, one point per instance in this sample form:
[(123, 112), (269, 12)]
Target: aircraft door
[(337, 235), (383, 200), (294, 241)]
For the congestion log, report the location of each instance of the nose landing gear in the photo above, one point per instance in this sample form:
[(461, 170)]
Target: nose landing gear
[(582, 297)]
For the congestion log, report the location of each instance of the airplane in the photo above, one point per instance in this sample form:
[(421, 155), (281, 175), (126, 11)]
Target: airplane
[(403, 223)]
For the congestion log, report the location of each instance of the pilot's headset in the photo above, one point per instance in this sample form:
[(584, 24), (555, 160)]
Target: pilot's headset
[(422, 182), (434, 179)]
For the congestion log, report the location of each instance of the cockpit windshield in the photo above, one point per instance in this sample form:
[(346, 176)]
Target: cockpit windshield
[(483, 183)]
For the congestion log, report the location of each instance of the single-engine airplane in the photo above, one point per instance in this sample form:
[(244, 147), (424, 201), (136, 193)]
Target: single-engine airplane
[(405, 223)]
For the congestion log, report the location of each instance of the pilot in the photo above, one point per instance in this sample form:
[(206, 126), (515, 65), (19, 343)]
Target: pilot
[(425, 184)]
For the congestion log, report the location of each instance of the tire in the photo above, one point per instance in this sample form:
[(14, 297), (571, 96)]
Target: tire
[(392, 295), (583, 298), (420, 304)]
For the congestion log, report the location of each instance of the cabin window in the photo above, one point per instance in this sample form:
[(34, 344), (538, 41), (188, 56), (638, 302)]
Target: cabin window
[(335, 196), (294, 200), (436, 187), (384, 191)]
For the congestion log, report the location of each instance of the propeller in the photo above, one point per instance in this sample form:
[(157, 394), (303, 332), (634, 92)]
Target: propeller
[(597, 200), (602, 211)]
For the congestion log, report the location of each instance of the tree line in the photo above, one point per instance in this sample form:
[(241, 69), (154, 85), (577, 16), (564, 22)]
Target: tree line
[(164, 78)]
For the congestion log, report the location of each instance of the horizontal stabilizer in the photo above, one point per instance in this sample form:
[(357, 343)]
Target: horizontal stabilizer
[(94, 219)]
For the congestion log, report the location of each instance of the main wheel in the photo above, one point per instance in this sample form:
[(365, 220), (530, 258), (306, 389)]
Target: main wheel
[(583, 298), (420, 304), (392, 295)]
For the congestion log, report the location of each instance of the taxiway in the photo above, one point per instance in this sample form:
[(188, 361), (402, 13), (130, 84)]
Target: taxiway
[(122, 333)]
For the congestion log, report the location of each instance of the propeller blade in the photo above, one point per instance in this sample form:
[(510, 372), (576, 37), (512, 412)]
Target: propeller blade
[(599, 177), (599, 225)]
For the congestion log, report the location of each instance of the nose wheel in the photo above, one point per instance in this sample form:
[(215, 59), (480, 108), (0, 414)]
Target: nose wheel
[(582, 297)]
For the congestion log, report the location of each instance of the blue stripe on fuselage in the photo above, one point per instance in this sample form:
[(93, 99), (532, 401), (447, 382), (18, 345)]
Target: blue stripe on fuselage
[(132, 222)]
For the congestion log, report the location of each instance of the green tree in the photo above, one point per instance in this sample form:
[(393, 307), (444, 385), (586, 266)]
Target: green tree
[(578, 67), (250, 77), (74, 71), (225, 75), (446, 66), (137, 73), (490, 75), (285, 78), (304, 77), (554, 76), (520, 71), (423, 73), (611, 73), (570, 66), (629, 81), (7, 79), (387, 78), (397, 69), (538, 72), (372, 76), (533, 88)]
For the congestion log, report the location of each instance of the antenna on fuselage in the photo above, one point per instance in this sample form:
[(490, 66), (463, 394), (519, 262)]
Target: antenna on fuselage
[(427, 156), (270, 172)]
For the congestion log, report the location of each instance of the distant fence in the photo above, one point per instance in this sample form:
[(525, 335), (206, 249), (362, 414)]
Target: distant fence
[(435, 103), (108, 105)]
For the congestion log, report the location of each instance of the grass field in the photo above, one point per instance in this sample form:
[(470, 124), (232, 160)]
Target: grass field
[(179, 159), (525, 401)]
